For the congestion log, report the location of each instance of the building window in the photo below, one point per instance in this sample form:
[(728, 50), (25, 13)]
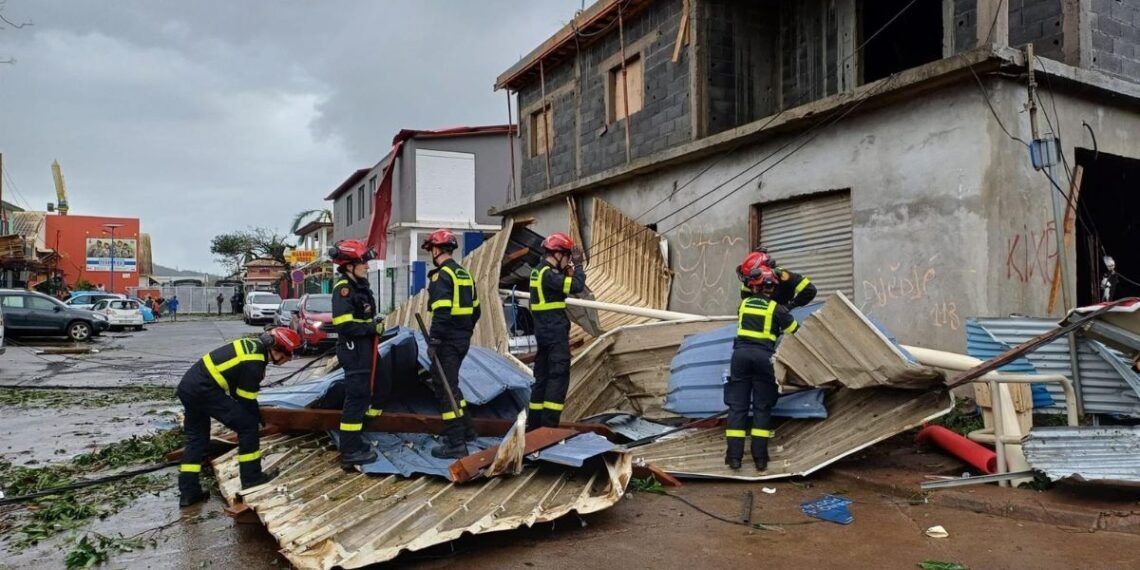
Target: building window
[(348, 210), (371, 193), (634, 80), (541, 131), (911, 40), (360, 198)]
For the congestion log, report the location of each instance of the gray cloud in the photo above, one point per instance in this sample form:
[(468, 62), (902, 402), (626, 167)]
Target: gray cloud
[(202, 117)]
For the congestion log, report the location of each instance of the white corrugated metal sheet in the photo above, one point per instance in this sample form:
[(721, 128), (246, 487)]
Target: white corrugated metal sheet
[(812, 237), (1102, 389), (1109, 454)]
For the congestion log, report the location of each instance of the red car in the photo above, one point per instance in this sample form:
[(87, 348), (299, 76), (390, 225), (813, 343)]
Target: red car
[(313, 321)]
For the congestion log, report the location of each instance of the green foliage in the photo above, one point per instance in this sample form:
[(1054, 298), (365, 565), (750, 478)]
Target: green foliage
[(94, 549), (939, 565), (964, 418), (49, 515), (25, 398), (82, 284), (647, 485)]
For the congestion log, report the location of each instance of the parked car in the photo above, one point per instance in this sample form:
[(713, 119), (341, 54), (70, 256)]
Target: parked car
[(147, 313), (260, 307), (121, 313), (284, 316), (2, 349), (313, 321), (36, 314), (87, 299)]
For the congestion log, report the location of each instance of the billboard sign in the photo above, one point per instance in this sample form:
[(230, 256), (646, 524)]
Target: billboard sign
[(99, 254), (301, 256)]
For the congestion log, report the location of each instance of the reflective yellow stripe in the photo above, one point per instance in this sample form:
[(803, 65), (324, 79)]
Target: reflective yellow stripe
[(341, 283), (566, 286), (791, 328), (246, 394), (553, 406), (765, 313), (536, 405), (190, 468), (247, 457), (372, 413), (537, 289), (456, 302), (351, 427), (217, 374), (734, 433), (462, 403), (348, 318), (803, 285), (448, 415), (757, 432)]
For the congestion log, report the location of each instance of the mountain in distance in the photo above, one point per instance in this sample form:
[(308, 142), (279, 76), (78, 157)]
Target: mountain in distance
[(164, 271)]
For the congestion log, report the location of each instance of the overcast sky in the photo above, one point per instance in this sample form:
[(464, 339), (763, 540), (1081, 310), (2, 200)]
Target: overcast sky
[(207, 116)]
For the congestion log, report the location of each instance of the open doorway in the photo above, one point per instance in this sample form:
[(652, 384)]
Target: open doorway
[(913, 39), (1109, 224)]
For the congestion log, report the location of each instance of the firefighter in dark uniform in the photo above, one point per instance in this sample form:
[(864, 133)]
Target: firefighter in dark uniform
[(454, 305), (354, 317), (556, 277), (760, 321), (794, 290), (223, 385)]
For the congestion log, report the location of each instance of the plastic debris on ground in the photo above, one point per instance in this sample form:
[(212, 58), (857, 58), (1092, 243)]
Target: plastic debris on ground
[(937, 531), (830, 508)]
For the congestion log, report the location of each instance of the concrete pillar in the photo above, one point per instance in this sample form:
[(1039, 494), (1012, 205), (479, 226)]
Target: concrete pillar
[(993, 23), (1076, 42)]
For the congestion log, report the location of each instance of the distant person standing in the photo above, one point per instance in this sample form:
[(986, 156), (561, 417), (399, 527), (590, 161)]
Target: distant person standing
[(172, 304), (100, 288), (159, 306), (220, 299)]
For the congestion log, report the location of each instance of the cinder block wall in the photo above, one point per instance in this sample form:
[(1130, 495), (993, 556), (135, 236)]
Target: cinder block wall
[(1037, 22), (1115, 30)]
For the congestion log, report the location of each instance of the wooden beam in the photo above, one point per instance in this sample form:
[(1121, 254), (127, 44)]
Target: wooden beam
[(513, 257), (682, 31), (328, 420), (650, 470), (242, 514), (469, 467)]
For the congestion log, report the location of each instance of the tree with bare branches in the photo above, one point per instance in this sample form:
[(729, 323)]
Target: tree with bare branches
[(6, 23)]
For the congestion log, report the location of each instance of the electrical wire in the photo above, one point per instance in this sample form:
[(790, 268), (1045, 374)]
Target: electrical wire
[(88, 483), (756, 525)]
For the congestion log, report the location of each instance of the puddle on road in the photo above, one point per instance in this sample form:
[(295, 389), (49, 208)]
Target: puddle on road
[(31, 436)]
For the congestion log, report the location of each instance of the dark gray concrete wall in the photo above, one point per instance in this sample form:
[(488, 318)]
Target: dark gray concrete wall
[(1038, 22), (1115, 33), (583, 143)]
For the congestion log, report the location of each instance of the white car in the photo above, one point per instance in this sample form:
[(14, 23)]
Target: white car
[(260, 307), (120, 312)]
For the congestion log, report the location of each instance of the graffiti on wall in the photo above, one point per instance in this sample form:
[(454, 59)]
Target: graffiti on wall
[(1031, 254), (704, 263), (910, 288)]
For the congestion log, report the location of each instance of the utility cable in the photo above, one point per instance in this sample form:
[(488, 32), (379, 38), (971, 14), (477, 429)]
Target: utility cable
[(771, 526), (88, 483)]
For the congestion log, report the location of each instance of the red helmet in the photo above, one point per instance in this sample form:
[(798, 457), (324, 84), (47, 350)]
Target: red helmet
[(557, 241), (752, 265), (765, 278), (351, 251), (441, 238), (283, 339)]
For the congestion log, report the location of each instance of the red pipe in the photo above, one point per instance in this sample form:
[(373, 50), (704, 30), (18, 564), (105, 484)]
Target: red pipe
[(978, 456)]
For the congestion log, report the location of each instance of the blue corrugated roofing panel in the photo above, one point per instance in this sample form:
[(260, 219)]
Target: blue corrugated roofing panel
[(630, 426), (1103, 390), (982, 345), (298, 396), (409, 454), (576, 450)]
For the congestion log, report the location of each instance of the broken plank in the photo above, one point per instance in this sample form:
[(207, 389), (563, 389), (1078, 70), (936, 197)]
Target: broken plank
[(469, 467), (510, 258), (328, 420), (242, 514), (648, 470)]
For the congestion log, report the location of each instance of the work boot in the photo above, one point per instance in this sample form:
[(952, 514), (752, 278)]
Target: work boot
[(734, 455), (449, 448), (259, 477), (760, 452), (469, 433), (359, 457), (192, 498)]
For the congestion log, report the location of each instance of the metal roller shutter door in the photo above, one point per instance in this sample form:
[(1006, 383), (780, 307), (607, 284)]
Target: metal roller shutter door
[(813, 237)]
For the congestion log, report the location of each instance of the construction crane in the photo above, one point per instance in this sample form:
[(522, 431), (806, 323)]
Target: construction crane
[(60, 188)]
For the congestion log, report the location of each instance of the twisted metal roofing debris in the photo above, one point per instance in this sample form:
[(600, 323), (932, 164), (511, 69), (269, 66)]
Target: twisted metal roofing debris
[(325, 517), (1104, 454), (857, 419), (838, 346)]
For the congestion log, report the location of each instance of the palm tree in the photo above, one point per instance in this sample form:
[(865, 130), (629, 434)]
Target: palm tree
[(302, 218)]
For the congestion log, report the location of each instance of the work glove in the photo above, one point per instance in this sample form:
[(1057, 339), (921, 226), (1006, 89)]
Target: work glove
[(577, 257), (378, 323)]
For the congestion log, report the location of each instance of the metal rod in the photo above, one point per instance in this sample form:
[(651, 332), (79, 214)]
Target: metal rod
[(545, 110), (455, 409), (746, 507), (976, 480), (615, 308), (625, 83)]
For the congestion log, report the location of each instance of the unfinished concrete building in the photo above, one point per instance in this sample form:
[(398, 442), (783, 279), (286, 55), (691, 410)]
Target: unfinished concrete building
[(879, 147)]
